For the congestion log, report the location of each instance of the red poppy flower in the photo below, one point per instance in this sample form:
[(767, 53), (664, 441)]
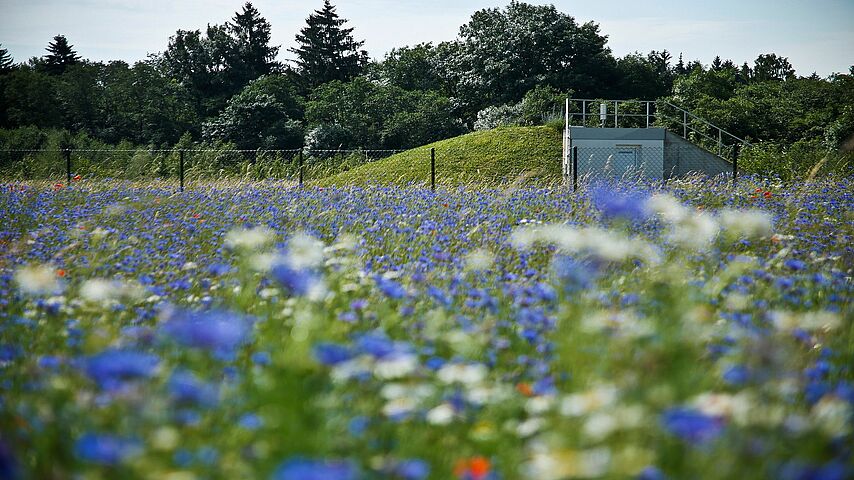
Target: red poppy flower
[(476, 468), (57, 186), (77, 178), (767, 194), (60, 273), (525, 389)]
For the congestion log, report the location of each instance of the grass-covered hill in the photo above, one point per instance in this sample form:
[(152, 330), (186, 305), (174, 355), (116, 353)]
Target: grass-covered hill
[(502, 156)]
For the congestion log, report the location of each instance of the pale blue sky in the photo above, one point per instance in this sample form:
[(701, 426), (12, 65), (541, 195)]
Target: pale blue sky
[(816, 35)]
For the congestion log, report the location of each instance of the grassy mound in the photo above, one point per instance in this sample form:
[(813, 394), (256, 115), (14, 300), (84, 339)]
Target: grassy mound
[(503, 156)]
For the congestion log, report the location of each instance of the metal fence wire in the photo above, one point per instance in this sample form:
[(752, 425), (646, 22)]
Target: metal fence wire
[(632, 162), (184, 166), (197, 164)]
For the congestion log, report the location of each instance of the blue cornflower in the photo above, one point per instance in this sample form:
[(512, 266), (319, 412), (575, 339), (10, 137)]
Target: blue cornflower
[(691, 425), (795, 264), (651, 473), (250, 421), (111, 368), (297, 282), (331, 353), (736, 375), (8, 464), (574, 275), (390, 288), (412, 469), (614, 204), (378, 345), (218, 269), (186, 388), (308, 469), (215, 330), (261, 358), (105, 449)]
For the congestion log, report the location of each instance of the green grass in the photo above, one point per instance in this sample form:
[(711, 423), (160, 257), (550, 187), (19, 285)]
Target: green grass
[(502, 156)]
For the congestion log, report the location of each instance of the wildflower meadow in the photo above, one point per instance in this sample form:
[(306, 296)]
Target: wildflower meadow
[(694, 329)]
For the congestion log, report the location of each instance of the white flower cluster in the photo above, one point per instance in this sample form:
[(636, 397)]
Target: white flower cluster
[(37, 280), (249, 238), (595, 242), (697, 230)]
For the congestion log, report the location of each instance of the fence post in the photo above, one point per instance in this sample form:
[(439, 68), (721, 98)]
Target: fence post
[(574, 169), (181, 167), (735, 152), (433, 169), (67, 153), (301, 167)]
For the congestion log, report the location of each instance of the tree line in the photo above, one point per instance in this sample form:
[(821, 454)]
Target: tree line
[(510, 65)]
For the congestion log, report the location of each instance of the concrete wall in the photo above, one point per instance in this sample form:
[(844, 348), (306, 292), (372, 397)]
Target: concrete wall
[(657, 154), (607, 151), (682, 157)]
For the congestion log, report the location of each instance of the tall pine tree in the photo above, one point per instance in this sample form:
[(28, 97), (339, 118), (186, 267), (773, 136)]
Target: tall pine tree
[(61, 55), (5, 60), (327, 51), (251, 54)]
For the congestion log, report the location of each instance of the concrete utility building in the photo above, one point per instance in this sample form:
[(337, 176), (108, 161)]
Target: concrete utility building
[(648, 139)]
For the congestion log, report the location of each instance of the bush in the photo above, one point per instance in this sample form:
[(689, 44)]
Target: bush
[(499, 116)]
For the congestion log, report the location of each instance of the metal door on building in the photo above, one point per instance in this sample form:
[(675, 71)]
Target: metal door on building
[(626, 159)]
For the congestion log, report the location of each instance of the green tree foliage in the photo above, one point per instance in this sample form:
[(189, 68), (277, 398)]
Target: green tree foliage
[(143, 105), (411, 68), (771, 67), (504, 53), (263, 115), (219, 63), (60, 56), (327, 51), (378, 116), (79, 90), (30, 99), (645, 77)]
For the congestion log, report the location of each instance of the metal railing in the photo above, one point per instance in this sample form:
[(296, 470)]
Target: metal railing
[(652, 113)]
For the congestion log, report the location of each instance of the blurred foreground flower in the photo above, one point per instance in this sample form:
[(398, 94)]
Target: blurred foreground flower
[(691, 425), (37, 280), (307, 469), (110, 368), (106, 449), (214, 330), (615, 204)]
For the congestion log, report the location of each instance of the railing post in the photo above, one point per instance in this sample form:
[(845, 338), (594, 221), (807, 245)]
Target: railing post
[(574, 169), (584, 113), (615, 114), (684, 124), (433, 169), (301, 174), (720, 141), (181, 168), (67, 153), (647, 114)]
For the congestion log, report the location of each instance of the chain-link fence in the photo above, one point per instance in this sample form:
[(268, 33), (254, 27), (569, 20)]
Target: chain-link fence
[(632, 162), (181, 165)]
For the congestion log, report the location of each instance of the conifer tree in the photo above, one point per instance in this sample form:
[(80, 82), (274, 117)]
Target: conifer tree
[(327, 51), (60, 56), (5, 60), (251, 54)]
